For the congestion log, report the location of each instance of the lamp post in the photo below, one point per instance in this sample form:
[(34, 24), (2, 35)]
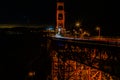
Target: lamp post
[(98, 29), (78, 24), (77, 27)]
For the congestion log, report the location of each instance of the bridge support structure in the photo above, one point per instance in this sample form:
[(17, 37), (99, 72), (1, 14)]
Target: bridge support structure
[(73, 61), (73, 70)]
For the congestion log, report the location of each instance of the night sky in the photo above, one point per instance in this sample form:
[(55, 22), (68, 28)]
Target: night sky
[(89, 12)]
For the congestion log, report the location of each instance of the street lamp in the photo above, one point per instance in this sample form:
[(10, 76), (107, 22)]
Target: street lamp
[(77, 28), (81, 31), (98, 29), (31, 74), (77, 24)]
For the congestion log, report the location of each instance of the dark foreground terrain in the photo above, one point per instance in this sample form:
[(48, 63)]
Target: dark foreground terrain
[(21, 51)]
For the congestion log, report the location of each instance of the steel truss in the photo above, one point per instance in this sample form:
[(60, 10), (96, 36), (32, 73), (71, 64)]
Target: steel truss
[(81, 61), (73, 70)]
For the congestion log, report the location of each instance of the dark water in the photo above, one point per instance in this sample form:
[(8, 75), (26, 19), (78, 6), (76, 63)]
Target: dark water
[(21, 53)]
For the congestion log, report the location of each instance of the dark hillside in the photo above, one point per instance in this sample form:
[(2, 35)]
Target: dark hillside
[(22, 51)]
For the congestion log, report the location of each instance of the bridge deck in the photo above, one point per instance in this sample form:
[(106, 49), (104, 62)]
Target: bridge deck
[(92, 52), (95, 41)]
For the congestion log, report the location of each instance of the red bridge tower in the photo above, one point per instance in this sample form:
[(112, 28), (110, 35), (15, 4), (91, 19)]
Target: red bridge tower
[(60, 17)]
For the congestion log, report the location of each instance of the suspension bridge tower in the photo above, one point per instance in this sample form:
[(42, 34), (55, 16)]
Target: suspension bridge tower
[(60, 17)]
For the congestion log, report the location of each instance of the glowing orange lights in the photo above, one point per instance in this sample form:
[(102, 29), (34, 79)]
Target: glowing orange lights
[(31, 73)]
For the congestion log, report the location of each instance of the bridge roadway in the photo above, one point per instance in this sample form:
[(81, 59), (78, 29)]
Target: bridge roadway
[(91, 40), (103, 54)]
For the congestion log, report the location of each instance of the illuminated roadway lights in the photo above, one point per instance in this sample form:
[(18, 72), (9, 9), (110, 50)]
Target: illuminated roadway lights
[(59, 30), (58, 34), (75, 32), (86, 33), (98, 29), (77, 24), (31, 74), (81, 31)]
